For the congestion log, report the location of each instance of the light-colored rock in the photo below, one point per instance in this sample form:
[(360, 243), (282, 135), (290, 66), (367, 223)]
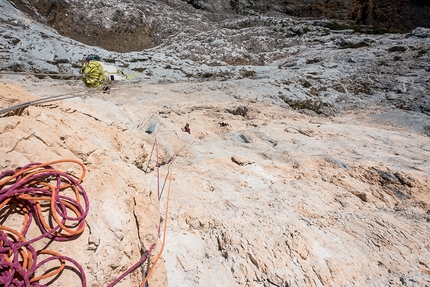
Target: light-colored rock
[(241, 160), (338, 190), (124, 210), (421, 32), (339, 201)]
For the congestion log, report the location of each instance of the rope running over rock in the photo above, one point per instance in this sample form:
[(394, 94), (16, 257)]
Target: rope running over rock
[(160, 189)]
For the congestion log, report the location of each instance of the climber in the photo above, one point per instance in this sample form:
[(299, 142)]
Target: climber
[(98, 74), (186, 128)]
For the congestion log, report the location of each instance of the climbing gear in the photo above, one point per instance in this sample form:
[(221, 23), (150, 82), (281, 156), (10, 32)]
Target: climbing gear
[(16, 109), (160, 192), (96, 73), (25, 191), (186, 128), (147, 254), (28, 191)]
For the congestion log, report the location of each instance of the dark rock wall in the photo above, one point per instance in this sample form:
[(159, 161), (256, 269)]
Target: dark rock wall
[(136, 25), (399, 15), (93, 24)]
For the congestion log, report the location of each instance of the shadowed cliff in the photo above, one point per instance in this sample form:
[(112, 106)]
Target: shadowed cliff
[(132, 26)]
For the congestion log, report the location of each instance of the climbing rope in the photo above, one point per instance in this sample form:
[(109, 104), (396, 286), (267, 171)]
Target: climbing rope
[(142, 260), (57, 75), (160, 191), (58, 204), (42, 101), (146, 257), (57, 98)]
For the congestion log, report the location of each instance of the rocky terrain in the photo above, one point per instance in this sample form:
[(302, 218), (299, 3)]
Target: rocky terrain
[(307, 163), (126, 25)]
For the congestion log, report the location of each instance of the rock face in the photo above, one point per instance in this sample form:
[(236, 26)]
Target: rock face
[(316, 66), (262, 198), (132, 26), (123, 219), (307, 161), (398, 15), (94, 23)]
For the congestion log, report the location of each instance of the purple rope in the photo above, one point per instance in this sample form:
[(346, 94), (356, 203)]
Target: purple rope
[(12, 273), (132, 268)]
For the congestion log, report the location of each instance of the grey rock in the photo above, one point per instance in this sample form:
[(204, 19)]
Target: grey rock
[(240, 137), (392, 97), (337, 162), (420, 32)]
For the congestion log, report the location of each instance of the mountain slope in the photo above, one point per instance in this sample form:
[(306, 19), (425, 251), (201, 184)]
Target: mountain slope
[(132, 26), (307, 163)]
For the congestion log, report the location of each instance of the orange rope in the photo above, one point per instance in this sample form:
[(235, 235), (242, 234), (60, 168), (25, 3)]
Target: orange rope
[(29, 188), (164, 234), (15, 175), (151, 270), (52, 273)]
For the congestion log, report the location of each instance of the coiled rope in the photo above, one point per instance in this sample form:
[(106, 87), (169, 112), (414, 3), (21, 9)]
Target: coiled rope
[(27, 191)]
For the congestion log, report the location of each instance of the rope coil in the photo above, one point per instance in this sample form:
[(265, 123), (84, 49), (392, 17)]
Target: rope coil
[(30, 191), (58, 204)]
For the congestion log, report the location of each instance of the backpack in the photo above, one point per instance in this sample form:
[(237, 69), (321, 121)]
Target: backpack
[(95, 72)]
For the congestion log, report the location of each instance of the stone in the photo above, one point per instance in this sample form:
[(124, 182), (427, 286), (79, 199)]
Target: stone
[(265, 213), (420, 32), (318, 184), (242, 161)]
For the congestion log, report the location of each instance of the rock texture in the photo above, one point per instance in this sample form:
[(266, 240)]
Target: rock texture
[(307, 161), (313, 66), (270, 197), (122, 223), (397, 15)]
